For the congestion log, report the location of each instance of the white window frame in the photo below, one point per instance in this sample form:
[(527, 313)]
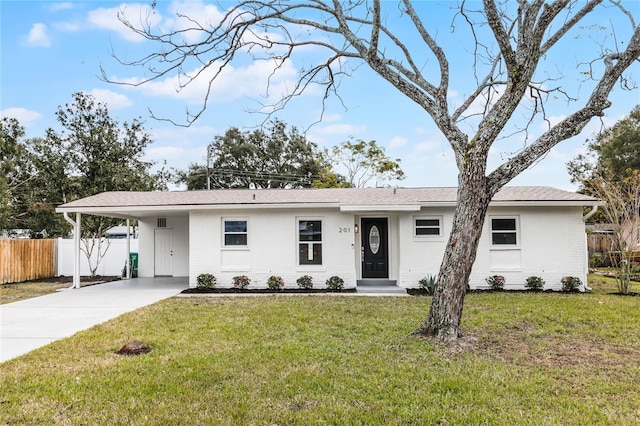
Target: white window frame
[(516, 231), (225, 233), (310, 244), (440, 227)]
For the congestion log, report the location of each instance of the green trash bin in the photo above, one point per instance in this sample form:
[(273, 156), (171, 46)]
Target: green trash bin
[(133, 264)]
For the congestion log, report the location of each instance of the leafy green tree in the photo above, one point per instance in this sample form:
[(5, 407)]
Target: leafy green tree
[(615, 150), (12, 171), (328, 178), (92, 153), (364, 162), (195, 177), (270, 158)]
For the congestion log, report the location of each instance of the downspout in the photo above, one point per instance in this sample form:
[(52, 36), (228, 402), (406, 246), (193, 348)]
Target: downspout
[(591, 213), (585, 218), (76, 248)]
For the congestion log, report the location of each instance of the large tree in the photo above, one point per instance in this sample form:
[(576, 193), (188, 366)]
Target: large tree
[(514, 64), (91, 153), (274, 157)]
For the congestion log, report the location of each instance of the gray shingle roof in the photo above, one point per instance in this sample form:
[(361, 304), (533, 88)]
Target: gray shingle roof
[(320, 197)]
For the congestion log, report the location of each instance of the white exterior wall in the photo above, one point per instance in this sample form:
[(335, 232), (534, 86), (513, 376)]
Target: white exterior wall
[(272, 247), (180, 244), (421, 256), (551, 244), (111, 264)]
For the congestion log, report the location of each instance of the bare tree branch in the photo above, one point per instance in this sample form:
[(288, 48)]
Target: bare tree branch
[(574, 123)]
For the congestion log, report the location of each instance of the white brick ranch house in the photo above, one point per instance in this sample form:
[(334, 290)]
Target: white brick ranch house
[(384, 234)]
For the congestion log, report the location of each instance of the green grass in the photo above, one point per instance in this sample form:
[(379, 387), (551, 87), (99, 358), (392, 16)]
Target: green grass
[(556, 359), (25, 290), (20, 291)]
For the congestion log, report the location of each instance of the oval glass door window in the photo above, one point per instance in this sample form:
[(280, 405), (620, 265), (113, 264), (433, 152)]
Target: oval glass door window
[(374, 240)]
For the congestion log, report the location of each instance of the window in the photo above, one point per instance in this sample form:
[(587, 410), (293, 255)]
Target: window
[(310, 242), (504, 231), (235, 232), (427, 226), (161, 222)]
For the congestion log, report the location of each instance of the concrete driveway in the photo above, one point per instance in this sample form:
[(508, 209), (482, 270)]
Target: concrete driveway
[(29, 324)]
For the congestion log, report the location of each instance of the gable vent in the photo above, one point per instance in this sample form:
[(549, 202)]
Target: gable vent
[(162, 222)]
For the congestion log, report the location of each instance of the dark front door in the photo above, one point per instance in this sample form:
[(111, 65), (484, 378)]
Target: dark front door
[(375, 258)]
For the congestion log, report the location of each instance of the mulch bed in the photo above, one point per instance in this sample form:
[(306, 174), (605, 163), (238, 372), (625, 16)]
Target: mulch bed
[(263, 291), (62, 279), (421, 292)]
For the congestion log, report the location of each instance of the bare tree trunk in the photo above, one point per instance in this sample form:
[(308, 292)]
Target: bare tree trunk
[(443, 321)]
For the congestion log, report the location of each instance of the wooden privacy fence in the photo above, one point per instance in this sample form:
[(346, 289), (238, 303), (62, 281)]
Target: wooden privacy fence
[(23, 260), (599, 243)]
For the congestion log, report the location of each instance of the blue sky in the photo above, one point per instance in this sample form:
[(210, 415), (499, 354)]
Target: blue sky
[(50, 50)]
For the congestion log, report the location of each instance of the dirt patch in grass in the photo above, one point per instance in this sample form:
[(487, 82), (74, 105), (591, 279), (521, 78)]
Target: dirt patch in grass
[(525, 347)]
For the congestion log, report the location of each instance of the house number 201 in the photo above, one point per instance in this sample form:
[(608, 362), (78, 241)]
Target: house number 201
[(344, 230)]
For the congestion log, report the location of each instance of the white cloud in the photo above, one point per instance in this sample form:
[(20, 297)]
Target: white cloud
[(55, 7), (397, 142), (426, 147), (24, 116), (66, 27), (137, 14), (38, 36), (232, 83), (339, 129), (112, 99), (331, 117), (165, 152), (181, 146)]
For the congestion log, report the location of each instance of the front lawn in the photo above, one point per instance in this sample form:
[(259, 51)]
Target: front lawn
[(543, 358)]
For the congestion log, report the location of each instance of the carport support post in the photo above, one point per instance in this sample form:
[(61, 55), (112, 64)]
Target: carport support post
[(76, 247), (128, 262)]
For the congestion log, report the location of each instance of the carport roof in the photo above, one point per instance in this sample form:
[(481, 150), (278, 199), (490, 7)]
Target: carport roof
[(139, 204)]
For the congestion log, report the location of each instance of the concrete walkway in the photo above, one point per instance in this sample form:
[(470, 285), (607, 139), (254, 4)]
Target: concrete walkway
[(29, 324)]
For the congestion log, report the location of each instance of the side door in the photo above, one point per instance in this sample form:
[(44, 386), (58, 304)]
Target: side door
[(163, 252)]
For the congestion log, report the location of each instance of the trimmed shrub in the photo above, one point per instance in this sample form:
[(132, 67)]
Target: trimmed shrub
[(496, 282), (206, 281), (275, 282), (534, 283), (305, 282), (570, 283), (335, 283), (241, 281)]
